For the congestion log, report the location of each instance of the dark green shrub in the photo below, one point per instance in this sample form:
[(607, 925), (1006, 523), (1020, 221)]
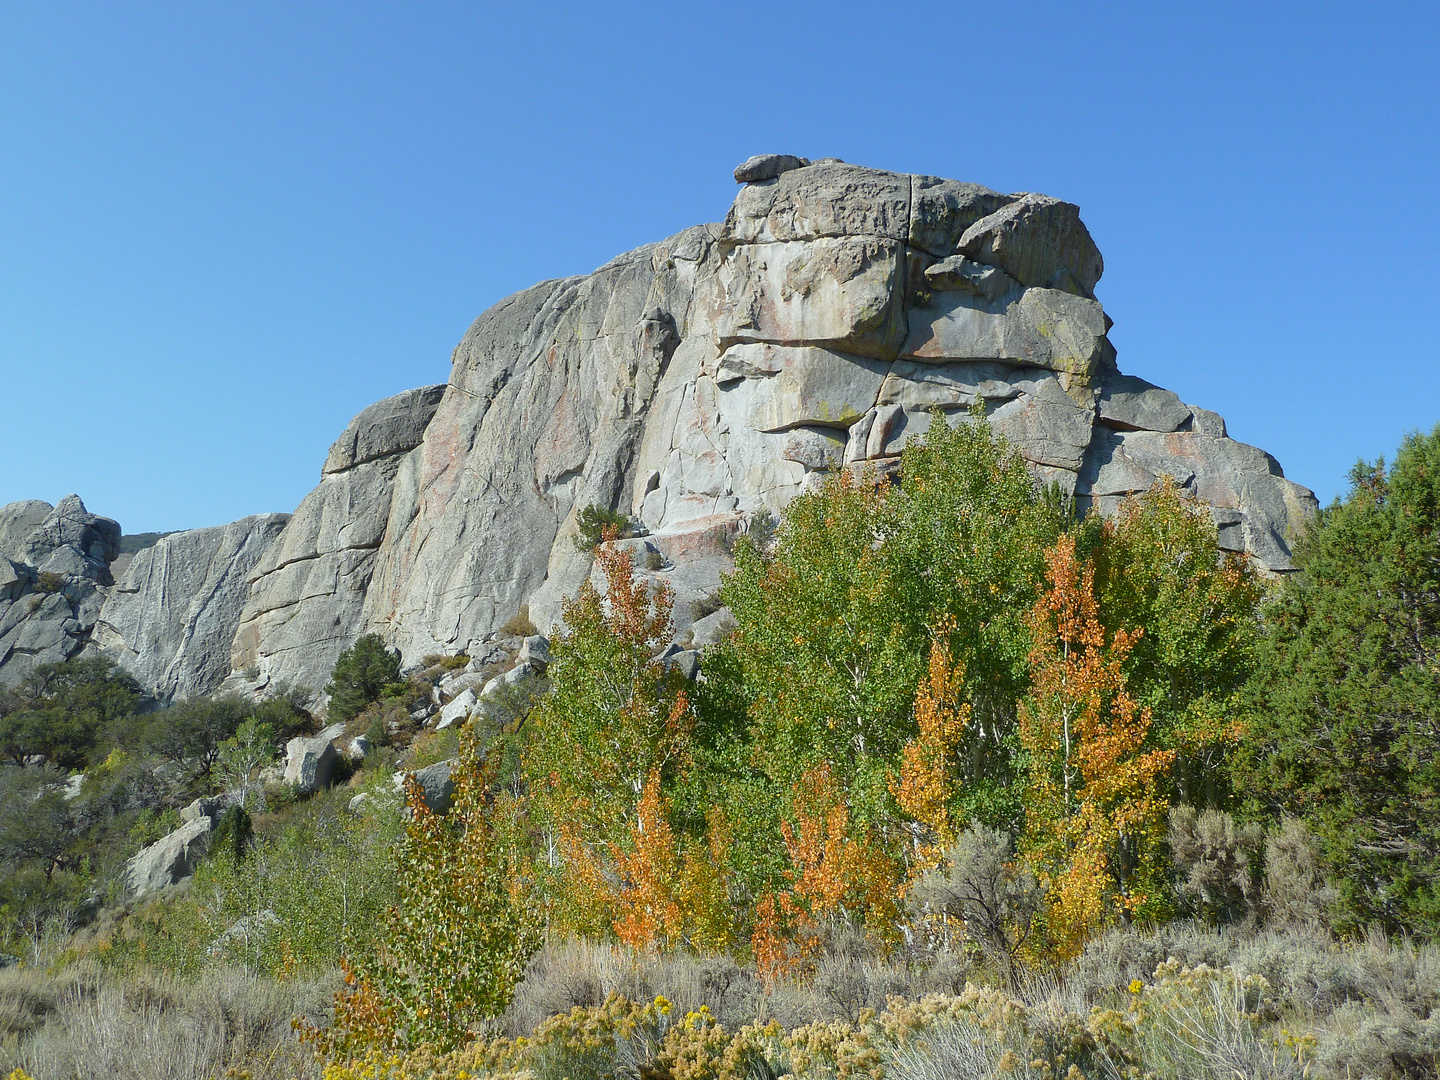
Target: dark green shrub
[(593, 521), (233, 836), (61, 710), (377, 734), (1347, 691), (361, 675)]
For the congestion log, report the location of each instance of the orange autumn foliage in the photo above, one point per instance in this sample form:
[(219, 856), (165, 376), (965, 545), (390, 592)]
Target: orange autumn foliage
[(925, 784), (652, 891), (831, 873), (1094, 813), (648, 912)]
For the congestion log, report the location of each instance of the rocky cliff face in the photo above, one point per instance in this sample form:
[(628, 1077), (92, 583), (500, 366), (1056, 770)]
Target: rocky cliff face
[(306, 593), (692, 383), (724, 370)]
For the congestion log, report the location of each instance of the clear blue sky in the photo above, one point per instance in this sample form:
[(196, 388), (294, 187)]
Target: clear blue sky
[(226, 228)]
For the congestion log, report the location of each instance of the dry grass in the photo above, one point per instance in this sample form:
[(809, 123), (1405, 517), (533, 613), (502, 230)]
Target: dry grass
[(83, 1023), (1364, 1009), (1367, 1009)]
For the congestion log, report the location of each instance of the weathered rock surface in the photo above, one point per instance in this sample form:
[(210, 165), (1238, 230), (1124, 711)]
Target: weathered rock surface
[(1038, 241), (436, 787), (54, 563), (168, 861), (18, 520), (458, 710), (307, 591), (171, 619), (694, 382), (766, 167), (73, 542)]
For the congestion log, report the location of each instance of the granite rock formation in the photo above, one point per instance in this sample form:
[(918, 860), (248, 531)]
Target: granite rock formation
[(54, 566), (691, 384), (170, 620), (307, 591), (694, 382), (168, 861)]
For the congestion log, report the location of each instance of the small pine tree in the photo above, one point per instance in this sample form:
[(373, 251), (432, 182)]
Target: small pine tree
[(594, 522), (233, 836), (360, 675)]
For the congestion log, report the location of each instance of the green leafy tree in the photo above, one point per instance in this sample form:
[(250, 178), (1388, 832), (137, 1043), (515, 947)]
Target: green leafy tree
[(830, 661), (1159, 568), (191, 733), (615, 715), (61, 711), (1347, 697), (361, 674), (457, 940), (243, 755), (834, 627), (973, 527), (37, 824)]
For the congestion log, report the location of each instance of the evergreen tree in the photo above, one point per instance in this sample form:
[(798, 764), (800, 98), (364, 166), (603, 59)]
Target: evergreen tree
[(1347, 701), (360, 674)]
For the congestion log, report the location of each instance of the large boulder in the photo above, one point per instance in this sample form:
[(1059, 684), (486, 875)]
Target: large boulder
[(18, 521), (171, 618), (458, 710), (1038, 241), (169, 860), (309, 760), (74, 542), (436, 786)]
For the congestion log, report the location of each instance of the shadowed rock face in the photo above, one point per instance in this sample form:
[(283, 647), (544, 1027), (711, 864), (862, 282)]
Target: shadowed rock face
[(690, 383), (54, 565)]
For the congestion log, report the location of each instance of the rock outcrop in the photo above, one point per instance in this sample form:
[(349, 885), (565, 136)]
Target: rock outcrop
[(692, 384), (307, 592), (436, 786), (309, 760), (54, 564), (171, 618)]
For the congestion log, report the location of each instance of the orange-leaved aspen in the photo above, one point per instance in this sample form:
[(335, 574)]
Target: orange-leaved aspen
[(1094, 815), (926, 782)]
